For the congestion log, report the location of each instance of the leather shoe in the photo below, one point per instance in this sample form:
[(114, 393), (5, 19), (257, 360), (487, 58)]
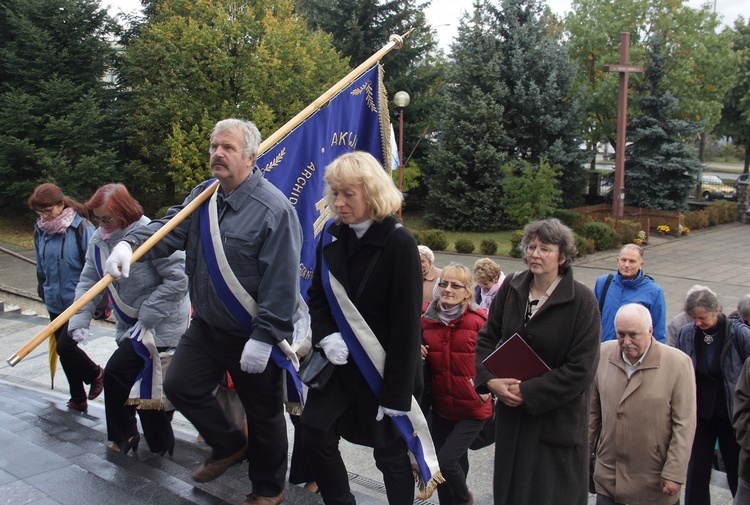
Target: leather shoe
[(80, 407), (97, 385), (213, 468), (254, 499)]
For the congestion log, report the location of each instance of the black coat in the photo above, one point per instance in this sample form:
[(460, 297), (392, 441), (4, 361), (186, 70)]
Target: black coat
[(541, 449), (390, 303)]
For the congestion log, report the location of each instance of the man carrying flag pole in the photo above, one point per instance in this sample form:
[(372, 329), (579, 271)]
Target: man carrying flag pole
[(242, 261)]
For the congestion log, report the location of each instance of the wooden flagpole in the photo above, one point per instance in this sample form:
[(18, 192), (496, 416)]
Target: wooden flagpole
[(394, 42)]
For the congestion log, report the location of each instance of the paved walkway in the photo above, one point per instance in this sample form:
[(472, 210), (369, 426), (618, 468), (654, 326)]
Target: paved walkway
[(51, 455)]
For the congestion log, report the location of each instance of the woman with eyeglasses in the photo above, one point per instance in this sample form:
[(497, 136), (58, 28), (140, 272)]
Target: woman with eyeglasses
[(449, 330), (61, 235), (542, 422), (718, 346), (152, 310)]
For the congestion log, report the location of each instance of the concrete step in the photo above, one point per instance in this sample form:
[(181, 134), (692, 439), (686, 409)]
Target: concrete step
[(49, 454), (53, 455)]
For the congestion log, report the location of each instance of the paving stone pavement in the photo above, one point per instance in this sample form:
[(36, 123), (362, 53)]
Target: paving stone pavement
[(50, 455)]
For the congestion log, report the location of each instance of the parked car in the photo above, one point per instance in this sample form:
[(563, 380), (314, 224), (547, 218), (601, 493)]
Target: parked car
[(713, 188), (743, 178)]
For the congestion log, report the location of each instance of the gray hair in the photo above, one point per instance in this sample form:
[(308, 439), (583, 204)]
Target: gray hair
[(635, 309), (696, 287), (248, 130), (551, 231), (704, 299), (427, 253), (631, 247), (743, 308)]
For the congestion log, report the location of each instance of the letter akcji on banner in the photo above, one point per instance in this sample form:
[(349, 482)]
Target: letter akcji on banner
[(355, 120)]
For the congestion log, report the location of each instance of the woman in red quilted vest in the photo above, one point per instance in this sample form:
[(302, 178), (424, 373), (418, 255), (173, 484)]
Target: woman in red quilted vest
[(449, 330)]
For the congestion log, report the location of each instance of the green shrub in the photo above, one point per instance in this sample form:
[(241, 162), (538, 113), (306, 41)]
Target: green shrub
[(515, 244), (435, 240), (626, 230), (570, 218), (714, 215), (727, 211), (488, 247), (695, 219), (464, 246), (602, 234), (584, 245), (417, 236)]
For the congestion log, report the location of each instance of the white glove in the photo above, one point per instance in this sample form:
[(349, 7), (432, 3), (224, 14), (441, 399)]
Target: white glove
[(138, 330), (255, 356), (335, 348), (80, 335), (118, 263), (385, 411)]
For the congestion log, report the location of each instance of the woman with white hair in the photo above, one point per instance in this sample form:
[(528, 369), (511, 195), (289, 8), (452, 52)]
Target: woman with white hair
[(430, 273), (718, 346)]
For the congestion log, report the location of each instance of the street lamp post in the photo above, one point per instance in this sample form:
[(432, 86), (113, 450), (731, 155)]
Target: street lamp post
[(401, 100)]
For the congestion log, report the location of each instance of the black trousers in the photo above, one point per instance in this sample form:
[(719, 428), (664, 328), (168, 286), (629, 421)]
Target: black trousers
[(701, 458), (452, 440), (199, 362), (76, 364), (322, 451), (119, 376), (299, 469)]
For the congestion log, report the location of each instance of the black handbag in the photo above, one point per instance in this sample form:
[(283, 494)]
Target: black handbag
[(316, 370)]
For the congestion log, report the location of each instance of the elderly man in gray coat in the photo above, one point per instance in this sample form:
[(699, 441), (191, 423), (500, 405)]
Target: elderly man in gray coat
[(642, 415)]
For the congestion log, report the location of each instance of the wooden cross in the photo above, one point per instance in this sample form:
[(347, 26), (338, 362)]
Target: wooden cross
[(618, 192)]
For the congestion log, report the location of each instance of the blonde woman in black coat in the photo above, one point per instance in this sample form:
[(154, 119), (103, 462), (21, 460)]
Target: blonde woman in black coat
[(377, 264)]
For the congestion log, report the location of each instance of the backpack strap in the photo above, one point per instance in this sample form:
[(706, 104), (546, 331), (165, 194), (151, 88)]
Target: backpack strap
[(604, 292)]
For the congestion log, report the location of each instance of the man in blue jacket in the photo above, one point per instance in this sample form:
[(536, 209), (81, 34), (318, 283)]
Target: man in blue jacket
[(630, 285)]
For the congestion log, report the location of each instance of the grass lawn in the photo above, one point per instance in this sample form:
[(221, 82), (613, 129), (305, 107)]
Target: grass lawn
[(417, 223), (17, 231)]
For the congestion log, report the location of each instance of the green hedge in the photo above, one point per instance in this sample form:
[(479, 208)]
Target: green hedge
[(488, 247), (464, 246), (435, 240), (602, 234)]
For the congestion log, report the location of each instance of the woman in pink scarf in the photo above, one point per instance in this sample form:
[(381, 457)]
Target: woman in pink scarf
[(489, 277), (61, 236)]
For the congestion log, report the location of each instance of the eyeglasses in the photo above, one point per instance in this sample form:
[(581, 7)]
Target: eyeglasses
[(543, 251), (453, 285), (46, 211), (103, 220)]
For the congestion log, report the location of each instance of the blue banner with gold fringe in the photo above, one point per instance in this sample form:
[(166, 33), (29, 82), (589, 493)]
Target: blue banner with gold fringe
[(354, 120)]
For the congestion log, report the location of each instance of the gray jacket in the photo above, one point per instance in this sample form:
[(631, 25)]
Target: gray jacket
[(262, 239), (736, 350), (158, 288)]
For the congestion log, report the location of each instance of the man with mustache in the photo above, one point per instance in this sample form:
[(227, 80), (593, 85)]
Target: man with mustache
[(643, 410), (630, 285), (242, 251)]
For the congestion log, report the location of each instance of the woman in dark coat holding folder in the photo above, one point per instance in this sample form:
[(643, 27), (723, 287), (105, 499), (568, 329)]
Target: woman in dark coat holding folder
[(541, 450)]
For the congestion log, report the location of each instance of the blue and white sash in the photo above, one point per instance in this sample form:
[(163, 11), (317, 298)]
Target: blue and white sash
[(369, 356), (239, 302), (146, 393)]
